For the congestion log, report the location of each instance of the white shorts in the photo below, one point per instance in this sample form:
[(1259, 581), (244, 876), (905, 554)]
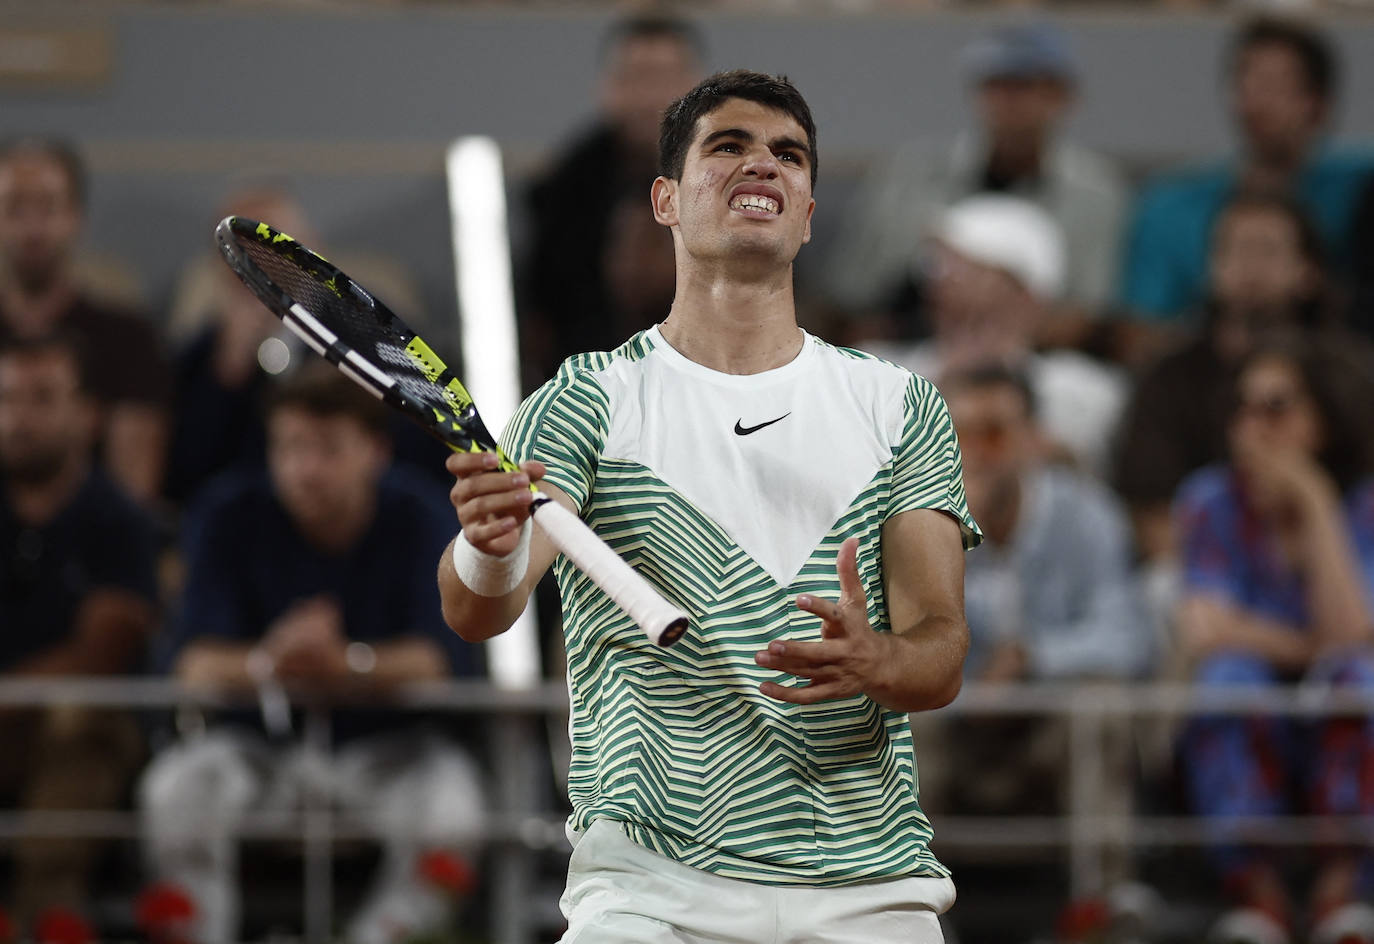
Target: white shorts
[(621, 893)]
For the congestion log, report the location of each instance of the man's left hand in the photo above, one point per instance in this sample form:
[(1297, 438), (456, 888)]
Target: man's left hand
[(850, 654)]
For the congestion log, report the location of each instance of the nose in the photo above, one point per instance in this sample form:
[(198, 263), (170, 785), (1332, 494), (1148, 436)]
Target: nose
[(761, 162)]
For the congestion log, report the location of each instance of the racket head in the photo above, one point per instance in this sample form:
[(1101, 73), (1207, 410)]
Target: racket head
[(355, 331)]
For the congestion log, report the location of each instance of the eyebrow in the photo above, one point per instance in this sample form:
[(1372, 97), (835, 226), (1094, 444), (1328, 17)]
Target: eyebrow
[(785, 143)]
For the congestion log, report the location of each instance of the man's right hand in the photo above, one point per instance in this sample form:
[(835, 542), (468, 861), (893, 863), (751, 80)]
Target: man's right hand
[(492, 505)]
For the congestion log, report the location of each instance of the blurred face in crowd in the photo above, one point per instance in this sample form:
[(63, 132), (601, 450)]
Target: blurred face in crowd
[(979, 311), (1277, 111), (325, 469), (1275, 413), (40, 219), (1259, 275), (642, 76), (999, 441), (1022, 109), (745, 191), (46, 421)]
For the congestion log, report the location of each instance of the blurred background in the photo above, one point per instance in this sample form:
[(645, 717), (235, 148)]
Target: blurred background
[(1133, 243)]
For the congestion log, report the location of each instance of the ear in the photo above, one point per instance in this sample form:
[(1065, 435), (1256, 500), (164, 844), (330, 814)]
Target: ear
[(810, 209), (664, 197)]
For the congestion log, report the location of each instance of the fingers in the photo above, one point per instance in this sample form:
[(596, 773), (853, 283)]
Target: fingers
[(847, 566), (485, 496), (806, 659)]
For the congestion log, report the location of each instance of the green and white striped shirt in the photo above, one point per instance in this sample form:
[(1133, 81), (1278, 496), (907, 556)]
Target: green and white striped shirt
[(732, 494)]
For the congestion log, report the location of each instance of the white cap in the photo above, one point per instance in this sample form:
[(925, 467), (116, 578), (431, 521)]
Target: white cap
[(1010, 233)]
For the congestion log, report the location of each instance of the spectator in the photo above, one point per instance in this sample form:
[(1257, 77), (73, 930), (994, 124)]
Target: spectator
[(1025, 81), (1283, 84), (319, 577), (77, 598), (1266, 269), (231, 347), (1050, 594), (1278, 571), (573, 296), (42, 202), (994, 264), (234, 346)]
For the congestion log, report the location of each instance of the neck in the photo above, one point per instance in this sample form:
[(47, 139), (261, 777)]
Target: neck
[(1016, 160), (31, 313), (37, 503), (734, 325), (340, 532), (1274, 168), (998, 521)]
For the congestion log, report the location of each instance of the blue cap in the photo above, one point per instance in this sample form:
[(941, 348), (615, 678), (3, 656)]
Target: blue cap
[(1029, 50)]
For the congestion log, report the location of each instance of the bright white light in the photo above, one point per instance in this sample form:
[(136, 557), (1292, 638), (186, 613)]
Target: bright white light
[(491, 364), (274, 356)]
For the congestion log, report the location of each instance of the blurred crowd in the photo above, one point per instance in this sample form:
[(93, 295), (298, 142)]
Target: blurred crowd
[(1162, 387)]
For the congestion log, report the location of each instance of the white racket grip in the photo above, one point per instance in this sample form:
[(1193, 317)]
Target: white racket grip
[(662, 622)]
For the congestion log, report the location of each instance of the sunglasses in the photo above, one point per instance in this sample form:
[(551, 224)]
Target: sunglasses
[(1274, 406)]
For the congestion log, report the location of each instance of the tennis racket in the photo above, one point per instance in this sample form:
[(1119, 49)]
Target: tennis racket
[(343, 322)]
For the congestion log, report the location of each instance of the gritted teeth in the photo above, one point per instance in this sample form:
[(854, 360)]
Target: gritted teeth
[(755, 201)]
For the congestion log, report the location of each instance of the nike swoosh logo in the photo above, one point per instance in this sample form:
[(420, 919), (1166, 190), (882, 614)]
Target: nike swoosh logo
[(741, 430)]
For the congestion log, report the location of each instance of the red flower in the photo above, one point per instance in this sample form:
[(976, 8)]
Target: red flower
[(1083, 919), (61, 926), (447, 871), (164, 911)]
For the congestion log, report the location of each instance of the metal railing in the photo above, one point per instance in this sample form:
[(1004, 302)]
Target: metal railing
[(524, 827)]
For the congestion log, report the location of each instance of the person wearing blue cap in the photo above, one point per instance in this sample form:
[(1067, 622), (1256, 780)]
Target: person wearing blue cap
[(1024, 79)]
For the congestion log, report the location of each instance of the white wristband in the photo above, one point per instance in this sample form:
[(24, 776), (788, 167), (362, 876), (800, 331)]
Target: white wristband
[(486, 574)]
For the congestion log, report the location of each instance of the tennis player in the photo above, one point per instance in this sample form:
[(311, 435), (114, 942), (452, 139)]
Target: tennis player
[(804, 504)]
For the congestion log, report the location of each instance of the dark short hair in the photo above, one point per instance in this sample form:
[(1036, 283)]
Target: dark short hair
[(1307, 44), (320, 389), (652, 26), (62, 153), (1337, 372), (989, 375), (773, 91), (62, 343)]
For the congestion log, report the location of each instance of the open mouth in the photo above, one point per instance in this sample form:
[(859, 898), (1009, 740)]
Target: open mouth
[(756, 205)]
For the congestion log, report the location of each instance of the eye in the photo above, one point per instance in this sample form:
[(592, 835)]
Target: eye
[(729, 146), (792, 156)]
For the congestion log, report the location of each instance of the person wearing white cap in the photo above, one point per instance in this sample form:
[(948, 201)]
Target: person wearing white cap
[(1025, 80), (993, 267)]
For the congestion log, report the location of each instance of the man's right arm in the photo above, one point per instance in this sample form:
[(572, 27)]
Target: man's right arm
[(492, 508)]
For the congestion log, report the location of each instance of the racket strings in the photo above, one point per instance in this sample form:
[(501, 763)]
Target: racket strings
[(355, 317)]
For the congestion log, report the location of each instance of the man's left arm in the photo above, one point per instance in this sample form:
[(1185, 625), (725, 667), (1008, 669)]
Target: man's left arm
[(916, 667)]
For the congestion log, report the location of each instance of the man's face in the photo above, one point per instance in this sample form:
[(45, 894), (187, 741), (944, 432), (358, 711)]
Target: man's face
[(979, 311), (745, 192), (324, 468), (1257, 262), (1277, 113), (642, 77), (46, 421), (1022, 109), (39, 219), (997, 438)]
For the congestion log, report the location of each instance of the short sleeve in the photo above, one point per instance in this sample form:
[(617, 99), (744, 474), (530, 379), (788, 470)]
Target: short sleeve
[(927, 469), (563, 425)]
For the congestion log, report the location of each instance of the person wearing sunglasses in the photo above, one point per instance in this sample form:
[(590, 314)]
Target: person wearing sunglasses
[(1278, 576)]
